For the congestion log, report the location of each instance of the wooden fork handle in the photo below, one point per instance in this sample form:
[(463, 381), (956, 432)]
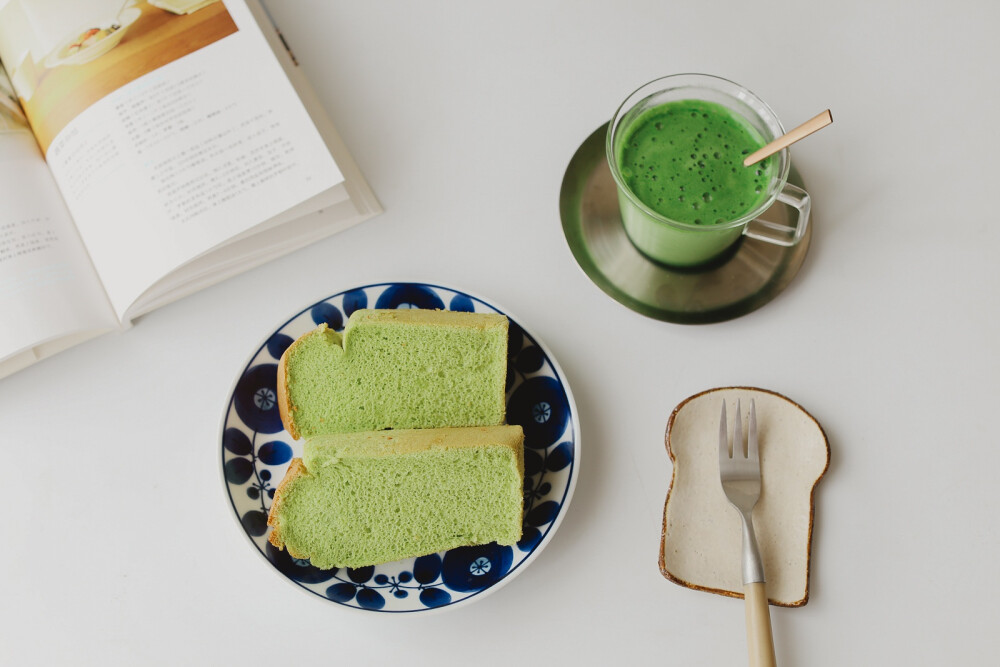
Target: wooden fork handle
[(759, 642)]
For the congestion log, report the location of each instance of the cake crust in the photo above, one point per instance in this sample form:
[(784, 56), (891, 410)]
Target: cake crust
[(296, 469), (285, 406)]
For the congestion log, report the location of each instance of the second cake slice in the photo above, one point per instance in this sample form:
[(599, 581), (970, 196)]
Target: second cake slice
[(359, 499)]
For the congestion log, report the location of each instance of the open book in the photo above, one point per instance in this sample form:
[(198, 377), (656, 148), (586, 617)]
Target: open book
[(148, 149)]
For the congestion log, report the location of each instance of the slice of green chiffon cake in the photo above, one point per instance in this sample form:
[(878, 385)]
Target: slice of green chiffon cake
[(359, 499), (395, 369)]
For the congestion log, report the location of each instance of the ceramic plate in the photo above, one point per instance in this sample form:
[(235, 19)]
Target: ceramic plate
[(255, 451)]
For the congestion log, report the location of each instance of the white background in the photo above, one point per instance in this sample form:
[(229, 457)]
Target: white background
[(119, 547)]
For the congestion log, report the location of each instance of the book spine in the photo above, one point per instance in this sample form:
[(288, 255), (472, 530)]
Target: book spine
[(277, 30)]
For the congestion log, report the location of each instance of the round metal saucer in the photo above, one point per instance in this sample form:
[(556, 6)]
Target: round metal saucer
[(744, 279)]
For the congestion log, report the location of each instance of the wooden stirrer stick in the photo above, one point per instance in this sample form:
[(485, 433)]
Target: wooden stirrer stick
[(789, 138)]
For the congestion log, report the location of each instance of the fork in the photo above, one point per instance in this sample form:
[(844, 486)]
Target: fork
[(739, 474)]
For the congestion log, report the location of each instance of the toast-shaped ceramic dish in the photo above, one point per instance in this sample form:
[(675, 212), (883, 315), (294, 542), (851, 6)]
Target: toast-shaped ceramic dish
[(700, 545)]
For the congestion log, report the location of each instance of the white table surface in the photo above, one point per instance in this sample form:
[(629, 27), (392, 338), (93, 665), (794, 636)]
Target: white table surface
[(118, 544)]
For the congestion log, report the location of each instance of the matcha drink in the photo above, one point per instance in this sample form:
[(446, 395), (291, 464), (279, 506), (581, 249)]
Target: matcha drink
[(684, 160)]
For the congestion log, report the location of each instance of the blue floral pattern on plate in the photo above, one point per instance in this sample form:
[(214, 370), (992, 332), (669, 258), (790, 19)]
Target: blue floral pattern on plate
[(256, 451)]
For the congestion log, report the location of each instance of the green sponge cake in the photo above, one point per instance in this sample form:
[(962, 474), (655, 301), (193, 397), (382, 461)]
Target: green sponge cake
[(395, 369), (359, 499)]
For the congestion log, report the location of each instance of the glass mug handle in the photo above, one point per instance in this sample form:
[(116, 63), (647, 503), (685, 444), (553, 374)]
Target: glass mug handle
[(777, 233)]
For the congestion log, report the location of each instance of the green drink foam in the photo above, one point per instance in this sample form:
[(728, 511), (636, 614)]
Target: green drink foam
[(684, 160)]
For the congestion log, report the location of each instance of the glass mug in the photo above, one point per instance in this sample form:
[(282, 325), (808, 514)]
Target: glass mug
[(684, 244)]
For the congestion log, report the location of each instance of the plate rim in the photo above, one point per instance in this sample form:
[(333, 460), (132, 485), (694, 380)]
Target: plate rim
[(513, 571)]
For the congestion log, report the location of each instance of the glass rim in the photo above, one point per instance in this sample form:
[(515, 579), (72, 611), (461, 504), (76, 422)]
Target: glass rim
[(777, 184)]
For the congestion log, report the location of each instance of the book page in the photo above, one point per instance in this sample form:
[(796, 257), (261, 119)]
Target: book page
[(365, 202), (195, 137), (333, 210), (49, 291)]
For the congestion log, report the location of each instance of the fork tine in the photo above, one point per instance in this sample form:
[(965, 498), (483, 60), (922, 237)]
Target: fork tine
[(738, 432), (752, 452), (723, 434)]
